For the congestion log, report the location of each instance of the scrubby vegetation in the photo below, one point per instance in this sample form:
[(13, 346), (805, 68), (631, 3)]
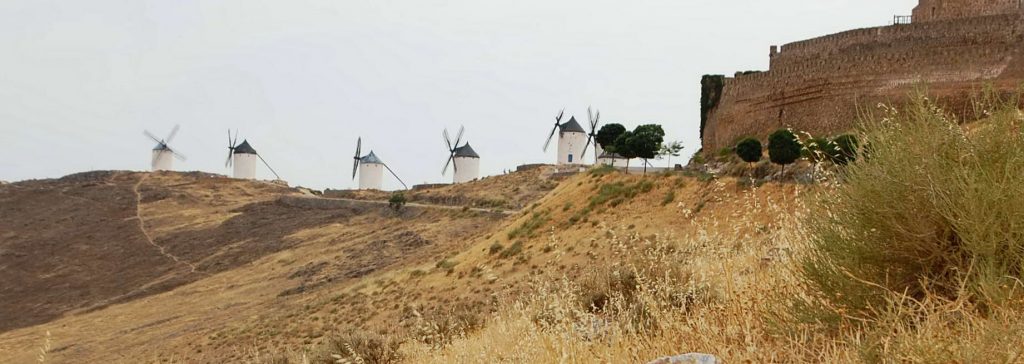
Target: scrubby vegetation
[(530, 226), (934, 215), (915, 256), (913, 253)]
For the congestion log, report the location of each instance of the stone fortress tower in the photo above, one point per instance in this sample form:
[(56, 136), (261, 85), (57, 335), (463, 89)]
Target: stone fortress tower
[(953, 47), (938, 10)]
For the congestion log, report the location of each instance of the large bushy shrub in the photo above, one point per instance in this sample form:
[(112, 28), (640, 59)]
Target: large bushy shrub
[(843, 149), (750, 150), (935, 212), (817, 149), (783, 147)]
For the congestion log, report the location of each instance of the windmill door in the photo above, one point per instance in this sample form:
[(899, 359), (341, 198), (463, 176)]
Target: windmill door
[(570, 157)]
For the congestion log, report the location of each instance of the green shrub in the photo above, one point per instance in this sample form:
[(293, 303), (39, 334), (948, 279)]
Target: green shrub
[(530, 226), (750, 150), (818, 149), (670, 197), (843, 149), (495, 248), (397, 201), (783, 147), (512, 250), (933, 212)]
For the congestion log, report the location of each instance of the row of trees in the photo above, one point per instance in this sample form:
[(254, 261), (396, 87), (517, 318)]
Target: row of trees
[(644, 142), (784, 148)]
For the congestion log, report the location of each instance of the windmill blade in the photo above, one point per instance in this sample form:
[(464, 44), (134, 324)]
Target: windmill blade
[(227, 163), (548, 142), (268, 167), (558, 119), (181, 157), (396, 177), (458, 139), (589, 139), (447, 140), (174, 132), (446, 163), (355, 160), (151, 136)]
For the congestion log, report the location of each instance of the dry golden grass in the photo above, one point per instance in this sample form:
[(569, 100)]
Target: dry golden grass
[(649, 296)]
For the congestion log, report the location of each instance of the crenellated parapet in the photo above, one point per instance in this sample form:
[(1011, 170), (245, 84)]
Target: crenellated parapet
[(819, 85), (938, 10)]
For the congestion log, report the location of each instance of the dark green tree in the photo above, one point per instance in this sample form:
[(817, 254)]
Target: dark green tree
[(750, 150), (646, 141), (783, 148), (844, 149), (624, 148), (607, 135)]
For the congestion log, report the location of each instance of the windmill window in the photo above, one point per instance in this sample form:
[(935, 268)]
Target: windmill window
[(570, 158)]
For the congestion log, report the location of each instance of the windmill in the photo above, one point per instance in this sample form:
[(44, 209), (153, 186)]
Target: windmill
[(592, 136), (243, 158), (571, 137), (370, 169), (163, 156), (464, 160)]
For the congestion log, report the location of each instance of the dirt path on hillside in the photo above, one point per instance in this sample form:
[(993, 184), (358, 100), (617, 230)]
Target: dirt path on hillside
[(421, 205), (142, 225)]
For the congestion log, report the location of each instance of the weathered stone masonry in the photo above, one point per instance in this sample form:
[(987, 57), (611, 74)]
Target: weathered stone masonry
[(819, 85)]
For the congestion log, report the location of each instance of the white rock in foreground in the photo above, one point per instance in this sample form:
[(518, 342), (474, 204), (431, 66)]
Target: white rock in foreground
[(691, 358)]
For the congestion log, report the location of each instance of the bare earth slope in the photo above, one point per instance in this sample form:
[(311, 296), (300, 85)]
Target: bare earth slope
[(144, 267), (77, 243)]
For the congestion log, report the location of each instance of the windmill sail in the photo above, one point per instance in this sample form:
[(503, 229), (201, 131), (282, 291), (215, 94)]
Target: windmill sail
[(558, 122), (355, 161), (452, 149), (396, 176)]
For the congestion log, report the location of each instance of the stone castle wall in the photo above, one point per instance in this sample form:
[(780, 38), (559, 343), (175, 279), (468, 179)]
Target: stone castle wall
[(820, 85), (934, 10)]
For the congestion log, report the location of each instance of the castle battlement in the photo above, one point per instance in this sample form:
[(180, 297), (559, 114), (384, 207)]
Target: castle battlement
[(817, 85), (938, 10)]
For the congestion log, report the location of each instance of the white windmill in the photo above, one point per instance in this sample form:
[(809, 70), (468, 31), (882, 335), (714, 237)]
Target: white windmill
[(464, 160), (371, 169), (571, 139), (243, 158), (163, 156)]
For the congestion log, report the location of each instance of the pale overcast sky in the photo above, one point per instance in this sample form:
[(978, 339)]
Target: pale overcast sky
[(301, 79)]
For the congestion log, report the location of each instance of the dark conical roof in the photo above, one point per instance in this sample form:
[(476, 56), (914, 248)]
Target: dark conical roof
[(370, 159), (571, 126), (245, 148), (161, 146), (466, 151)]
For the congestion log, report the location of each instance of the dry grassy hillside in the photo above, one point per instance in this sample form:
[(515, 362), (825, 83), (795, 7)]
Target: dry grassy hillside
[(245, 271), (578, 227), (172, 271)]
